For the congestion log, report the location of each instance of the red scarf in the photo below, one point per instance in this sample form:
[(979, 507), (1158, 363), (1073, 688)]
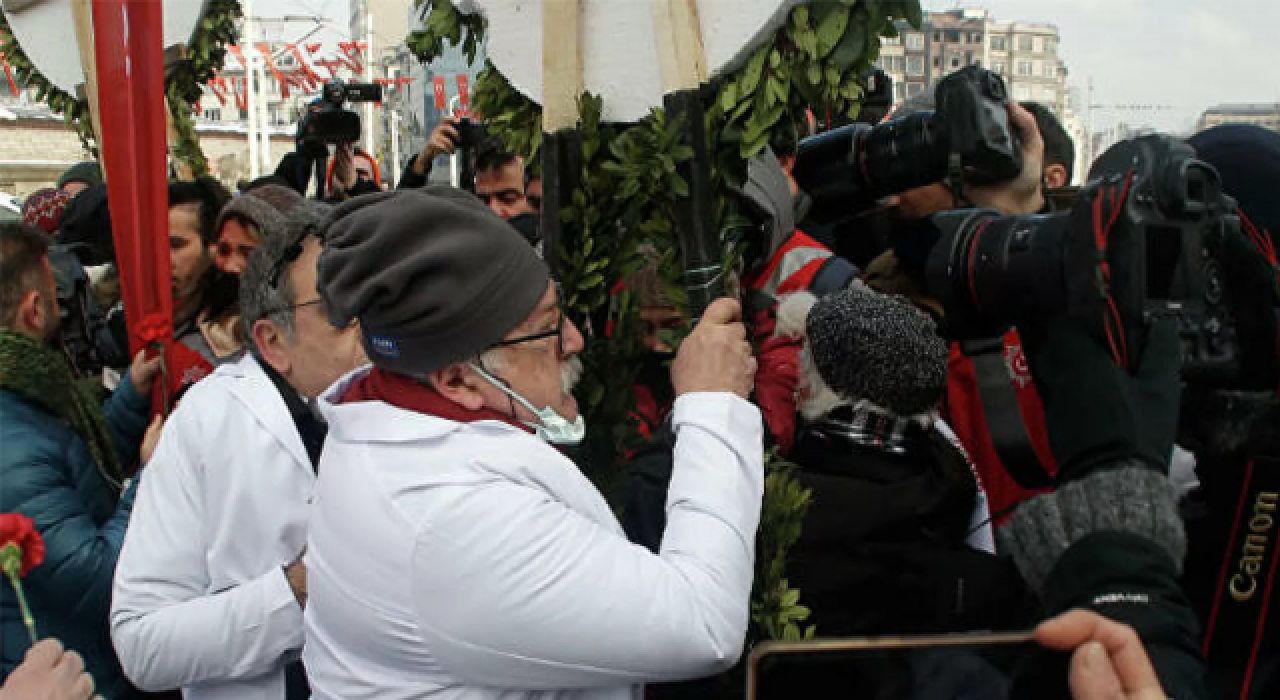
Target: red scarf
[(411, 395)]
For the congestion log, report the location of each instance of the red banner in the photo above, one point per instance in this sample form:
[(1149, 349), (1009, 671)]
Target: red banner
[(438, 83), (133, 152), (464, 95)]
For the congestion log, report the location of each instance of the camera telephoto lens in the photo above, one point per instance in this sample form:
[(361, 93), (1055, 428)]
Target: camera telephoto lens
[(990, 271), (899, 155)]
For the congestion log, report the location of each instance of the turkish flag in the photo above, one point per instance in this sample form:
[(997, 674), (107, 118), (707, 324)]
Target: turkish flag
[(464, 95), (438, 83)]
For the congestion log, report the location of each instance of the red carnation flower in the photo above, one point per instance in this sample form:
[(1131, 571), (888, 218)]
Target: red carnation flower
[(21, 550), (17, 531)]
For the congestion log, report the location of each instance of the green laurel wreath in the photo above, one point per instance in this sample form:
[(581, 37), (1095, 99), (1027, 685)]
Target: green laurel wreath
[(629, 189), (203, 57)]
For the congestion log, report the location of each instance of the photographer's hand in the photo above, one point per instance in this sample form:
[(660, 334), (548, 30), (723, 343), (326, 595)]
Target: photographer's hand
[(442, 141), (344, 166), (1025, 193), (1099, 415)]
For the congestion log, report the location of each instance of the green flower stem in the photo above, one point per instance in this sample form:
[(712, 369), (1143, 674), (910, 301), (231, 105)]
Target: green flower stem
[(11, 562)]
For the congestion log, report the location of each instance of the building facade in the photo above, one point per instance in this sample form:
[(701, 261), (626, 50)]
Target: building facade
[(418, 113), (1266, 116), (384, 24), (36, 146), (1024, 54)]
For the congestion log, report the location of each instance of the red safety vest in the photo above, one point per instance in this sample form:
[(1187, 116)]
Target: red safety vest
[(964, 412), (802, 264)]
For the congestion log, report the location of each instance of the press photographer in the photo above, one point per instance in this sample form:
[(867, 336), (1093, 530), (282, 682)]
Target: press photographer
[(490, 171), (328, 123), (1147, 282)]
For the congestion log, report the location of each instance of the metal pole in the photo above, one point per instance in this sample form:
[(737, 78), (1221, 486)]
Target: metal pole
[(264, 123), (395, 149), (368, 78), (251, 119), (455, 177)]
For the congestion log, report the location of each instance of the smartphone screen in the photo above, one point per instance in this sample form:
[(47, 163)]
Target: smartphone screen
[(945, 667)]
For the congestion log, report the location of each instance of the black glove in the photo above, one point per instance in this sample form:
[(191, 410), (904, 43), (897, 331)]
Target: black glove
[(1130, 579), (1097, 413)]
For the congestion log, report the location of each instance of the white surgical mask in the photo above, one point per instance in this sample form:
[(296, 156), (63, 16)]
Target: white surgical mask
[(550, 426)]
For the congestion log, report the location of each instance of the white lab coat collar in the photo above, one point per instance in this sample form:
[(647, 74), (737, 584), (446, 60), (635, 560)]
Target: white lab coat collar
[(259, 393)]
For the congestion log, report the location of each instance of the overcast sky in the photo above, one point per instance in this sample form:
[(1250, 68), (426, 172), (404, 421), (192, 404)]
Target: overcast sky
[(1188, 54)]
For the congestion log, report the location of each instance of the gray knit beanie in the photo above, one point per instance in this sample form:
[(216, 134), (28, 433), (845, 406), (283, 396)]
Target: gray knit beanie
[(432, 274), (878, 348), (267, 208), (1130, 498)]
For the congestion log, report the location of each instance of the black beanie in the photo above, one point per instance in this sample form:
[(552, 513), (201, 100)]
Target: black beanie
[(86, 172), (1248, 159), (432, 274), (86, 225)]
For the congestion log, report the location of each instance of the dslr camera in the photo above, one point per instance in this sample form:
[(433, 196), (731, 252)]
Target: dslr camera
[(330, 122), (968, 138), (1144, 240)]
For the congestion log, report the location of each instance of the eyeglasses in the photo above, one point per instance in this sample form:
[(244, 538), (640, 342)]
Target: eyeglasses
[(290, 255), (557, 332), (287, 258), (291, 307)]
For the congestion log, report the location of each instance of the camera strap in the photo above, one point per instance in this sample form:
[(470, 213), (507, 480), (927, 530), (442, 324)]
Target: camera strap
[(1003, 413), (955, 182), (1242, 635)]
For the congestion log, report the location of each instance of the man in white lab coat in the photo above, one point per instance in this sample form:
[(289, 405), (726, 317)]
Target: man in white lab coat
[(454, 552), (210, 588)]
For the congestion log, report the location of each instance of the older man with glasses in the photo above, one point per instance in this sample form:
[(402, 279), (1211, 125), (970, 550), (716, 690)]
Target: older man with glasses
[(210, 587), (454, 551)]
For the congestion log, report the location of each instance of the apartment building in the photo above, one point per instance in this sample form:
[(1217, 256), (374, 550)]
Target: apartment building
[(1266, 116), (1025, 54)]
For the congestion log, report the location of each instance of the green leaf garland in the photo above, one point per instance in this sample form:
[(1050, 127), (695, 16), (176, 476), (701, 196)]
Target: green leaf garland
[(183, 79), (630, 186)]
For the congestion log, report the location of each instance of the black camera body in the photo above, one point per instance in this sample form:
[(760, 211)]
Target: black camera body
[(471, 134), (1143, 241), (969, 137), (330, 122)]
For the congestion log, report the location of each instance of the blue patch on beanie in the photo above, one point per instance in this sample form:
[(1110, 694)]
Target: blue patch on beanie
[(386, 346)]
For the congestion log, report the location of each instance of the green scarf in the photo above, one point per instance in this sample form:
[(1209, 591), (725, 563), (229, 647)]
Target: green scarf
[(41, 374)]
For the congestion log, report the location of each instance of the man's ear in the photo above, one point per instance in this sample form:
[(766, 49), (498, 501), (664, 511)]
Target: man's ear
[(1055, 176), (269, 340), (32, 311), (459, 384)]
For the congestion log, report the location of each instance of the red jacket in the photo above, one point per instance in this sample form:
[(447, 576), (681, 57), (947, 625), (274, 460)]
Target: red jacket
[(965, 414), (799, 264)]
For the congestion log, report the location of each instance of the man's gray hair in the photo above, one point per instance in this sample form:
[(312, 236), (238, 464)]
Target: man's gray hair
[(268, 299)]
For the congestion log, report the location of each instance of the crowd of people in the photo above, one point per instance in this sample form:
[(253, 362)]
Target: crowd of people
[(359, 482)]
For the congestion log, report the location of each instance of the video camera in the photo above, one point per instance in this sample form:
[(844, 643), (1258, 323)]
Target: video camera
[(1144, 240), (329, 122), (968, 138)]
